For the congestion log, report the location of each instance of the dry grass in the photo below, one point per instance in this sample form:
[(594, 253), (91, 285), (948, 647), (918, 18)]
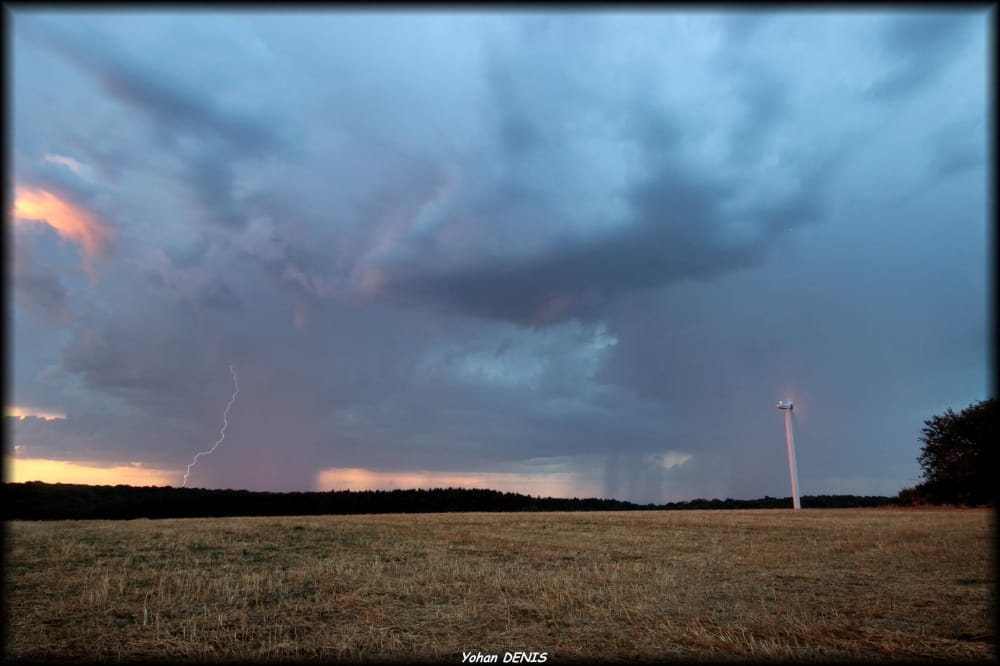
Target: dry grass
[(857, 584)]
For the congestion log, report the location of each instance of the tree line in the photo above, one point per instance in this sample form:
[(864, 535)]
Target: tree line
[(36, 500)]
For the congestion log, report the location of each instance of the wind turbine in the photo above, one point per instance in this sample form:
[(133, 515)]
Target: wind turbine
[(793, 470)]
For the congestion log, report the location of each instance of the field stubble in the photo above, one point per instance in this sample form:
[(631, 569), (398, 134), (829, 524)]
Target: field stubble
[(716, 585)]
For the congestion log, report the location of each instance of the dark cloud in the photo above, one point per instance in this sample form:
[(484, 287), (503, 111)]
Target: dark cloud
[(677, 230), (918, 46), (751, 86), (955, 149), (949, 151), (152, 88), (185, 117), (38, 290), (42, 296), (218, 294), (59, 178), (675, 224), (764, 108)]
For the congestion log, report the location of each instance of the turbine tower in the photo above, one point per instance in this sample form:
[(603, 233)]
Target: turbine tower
[(793, 470)]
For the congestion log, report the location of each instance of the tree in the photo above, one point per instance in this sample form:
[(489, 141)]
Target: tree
[(959, 456)]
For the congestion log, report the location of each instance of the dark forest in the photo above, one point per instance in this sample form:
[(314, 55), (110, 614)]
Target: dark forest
[(35, 500)]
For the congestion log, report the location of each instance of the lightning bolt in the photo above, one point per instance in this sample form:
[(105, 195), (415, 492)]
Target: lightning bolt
[(222, 433)]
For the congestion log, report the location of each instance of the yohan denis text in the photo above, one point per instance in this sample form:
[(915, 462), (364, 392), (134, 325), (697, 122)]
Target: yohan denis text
[(508, 658)]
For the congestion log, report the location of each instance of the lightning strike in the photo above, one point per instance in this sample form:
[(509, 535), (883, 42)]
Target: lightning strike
[(222, 433)]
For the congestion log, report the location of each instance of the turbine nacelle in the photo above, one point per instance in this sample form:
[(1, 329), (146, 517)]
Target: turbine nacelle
[(782, 404)]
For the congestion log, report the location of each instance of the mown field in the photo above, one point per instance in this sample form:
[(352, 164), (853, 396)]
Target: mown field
[(823, 584)]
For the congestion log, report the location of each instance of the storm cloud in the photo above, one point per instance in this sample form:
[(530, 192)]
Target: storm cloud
[(590, 247)]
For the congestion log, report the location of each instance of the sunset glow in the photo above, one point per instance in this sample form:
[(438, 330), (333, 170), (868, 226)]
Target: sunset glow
[(22, 412), (556, 484), (70, 221), (21, 470)]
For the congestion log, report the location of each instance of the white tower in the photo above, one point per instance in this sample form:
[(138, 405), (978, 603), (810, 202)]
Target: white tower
[(793, 470)]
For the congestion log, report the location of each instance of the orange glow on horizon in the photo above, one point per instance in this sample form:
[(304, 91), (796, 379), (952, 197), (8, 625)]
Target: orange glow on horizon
[(557, 484), (70, 222), (21, 470), (22, 412), (552, 484)]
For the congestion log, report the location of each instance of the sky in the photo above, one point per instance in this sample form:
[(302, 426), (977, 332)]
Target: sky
[(562, 253)]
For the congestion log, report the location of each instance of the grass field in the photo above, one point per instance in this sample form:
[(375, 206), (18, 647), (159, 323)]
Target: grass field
[(851, 584)]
